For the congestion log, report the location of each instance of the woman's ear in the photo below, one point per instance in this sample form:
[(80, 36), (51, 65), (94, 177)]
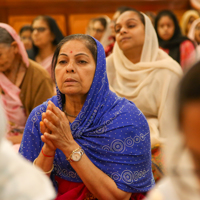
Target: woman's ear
[(15, 46)]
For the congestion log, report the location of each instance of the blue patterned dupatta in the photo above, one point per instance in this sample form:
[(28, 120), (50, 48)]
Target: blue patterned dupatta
[(112, 131)]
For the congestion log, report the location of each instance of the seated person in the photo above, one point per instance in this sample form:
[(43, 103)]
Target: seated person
[(24, 84), (183, 150), (144, 74), (25, 35), (87, 131), (99, 29), (45, 35), (19, 179), (171, 40)]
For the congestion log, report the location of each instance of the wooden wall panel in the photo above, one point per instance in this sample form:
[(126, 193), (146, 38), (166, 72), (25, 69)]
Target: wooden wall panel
[(76, 13), (78, 23)]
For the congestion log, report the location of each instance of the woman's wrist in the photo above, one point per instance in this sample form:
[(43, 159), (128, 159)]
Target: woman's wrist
[(70, 148), (47, 152)]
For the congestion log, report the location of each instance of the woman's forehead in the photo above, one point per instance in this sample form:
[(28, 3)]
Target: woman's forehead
[(74, 46), (128, 15)]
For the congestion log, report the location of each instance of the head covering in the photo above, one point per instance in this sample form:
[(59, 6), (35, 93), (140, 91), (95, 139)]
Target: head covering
[(106, 38), (20, 44), (185, 19), (172, 44), (136, 82), (191, 33), (112, 131), (3, 124)]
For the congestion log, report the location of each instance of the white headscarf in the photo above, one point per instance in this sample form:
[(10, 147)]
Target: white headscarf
[(19, 180), (134, 81)]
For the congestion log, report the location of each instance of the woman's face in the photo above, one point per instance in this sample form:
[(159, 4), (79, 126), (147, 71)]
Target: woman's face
[(197, 33), (97, 30), (190, 21), (75, 69), (130, 31), (7, 56), (190, 126), (26, 39), (41, 34), (165, 28)]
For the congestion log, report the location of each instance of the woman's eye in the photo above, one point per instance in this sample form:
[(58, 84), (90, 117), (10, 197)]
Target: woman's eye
[(117, 30), (82, 62), (131, 26), (62, 62)]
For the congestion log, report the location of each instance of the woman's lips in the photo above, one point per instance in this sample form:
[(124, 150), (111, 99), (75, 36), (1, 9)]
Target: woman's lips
[(124, 39), (70, 80)]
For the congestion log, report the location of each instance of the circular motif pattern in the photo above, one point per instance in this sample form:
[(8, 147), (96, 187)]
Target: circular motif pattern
[(118, 145), (127, 176), (106, 148), (129, 141), (137, 139), (116, 176)]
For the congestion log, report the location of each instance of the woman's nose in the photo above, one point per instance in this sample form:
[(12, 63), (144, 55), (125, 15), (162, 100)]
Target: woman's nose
[(123, 30), (70, 68)]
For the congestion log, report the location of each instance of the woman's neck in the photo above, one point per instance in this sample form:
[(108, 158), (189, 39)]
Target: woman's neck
[(15, 71), (45, 52), (73, 105), (133, 55)]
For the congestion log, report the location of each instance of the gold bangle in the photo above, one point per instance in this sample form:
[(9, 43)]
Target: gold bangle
[(43, 171), (72, 153)]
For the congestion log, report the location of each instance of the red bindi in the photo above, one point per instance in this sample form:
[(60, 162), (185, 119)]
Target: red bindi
[(70, 51)]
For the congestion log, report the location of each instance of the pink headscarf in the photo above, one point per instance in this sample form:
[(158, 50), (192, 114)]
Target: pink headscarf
[(16, 37)]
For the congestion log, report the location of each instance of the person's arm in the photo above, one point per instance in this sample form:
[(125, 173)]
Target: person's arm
[(99, 184)]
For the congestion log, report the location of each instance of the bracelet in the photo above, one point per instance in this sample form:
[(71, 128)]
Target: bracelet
[(45, 154), (69, 158), (43, 171)]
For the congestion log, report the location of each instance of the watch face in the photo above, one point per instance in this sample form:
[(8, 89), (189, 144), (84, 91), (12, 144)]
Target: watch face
[(76, 156)]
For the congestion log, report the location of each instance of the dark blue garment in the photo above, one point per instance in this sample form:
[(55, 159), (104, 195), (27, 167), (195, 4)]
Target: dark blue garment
[(112, 131)]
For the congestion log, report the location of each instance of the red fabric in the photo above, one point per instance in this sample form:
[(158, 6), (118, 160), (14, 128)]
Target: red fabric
[(78, 191)]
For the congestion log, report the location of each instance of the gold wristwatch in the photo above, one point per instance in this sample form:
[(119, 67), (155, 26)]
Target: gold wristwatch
[(76, 155)]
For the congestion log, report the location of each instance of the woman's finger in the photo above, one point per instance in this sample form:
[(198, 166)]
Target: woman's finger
[(42, 127), (49, 125), (52, 118), (55, 110)]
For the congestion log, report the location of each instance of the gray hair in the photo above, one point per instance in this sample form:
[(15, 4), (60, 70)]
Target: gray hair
[(5, 37)]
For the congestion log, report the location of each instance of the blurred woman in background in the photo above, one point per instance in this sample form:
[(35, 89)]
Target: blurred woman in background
[(45, 35), (25, 35), (187, 19), (179, 47), (100, 30)]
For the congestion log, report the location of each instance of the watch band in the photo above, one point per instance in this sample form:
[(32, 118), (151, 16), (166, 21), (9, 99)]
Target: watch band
[(79, 151)]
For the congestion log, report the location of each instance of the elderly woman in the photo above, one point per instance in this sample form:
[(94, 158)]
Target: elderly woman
[(144, 74), (45, 35), (183, 152), (24, 84), (86, 131)]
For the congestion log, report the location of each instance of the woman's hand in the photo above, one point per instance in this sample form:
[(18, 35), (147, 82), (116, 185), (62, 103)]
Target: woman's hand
[(48, 145), (59, 134)]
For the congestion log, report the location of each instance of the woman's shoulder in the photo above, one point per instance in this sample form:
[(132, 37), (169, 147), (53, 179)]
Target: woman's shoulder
[(187, 44), (37, 70)]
